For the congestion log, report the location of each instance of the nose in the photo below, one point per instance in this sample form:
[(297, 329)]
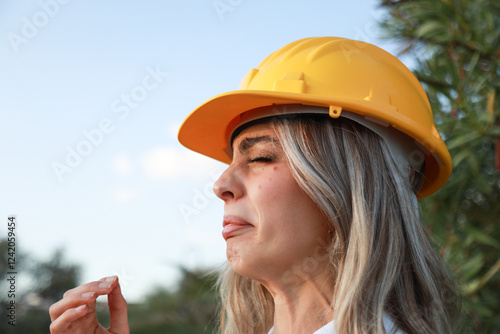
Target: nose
[(228, 187)]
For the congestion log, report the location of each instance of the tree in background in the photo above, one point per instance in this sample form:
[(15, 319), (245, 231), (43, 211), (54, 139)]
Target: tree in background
[(456, 45), (49, 280), (190, 309)]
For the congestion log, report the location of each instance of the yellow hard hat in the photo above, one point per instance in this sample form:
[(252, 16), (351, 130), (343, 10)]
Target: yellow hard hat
[(335, 73)]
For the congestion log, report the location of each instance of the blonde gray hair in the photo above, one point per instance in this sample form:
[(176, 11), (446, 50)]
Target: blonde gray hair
[(380, 259)]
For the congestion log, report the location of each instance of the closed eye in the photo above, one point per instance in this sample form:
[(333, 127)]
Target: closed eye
[(261, 159)]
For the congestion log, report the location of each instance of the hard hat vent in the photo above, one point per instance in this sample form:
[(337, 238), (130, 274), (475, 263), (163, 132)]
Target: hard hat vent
[(292, 82)]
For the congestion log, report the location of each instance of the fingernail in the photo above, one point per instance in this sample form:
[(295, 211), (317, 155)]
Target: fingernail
[(79, 308), (88, 294), (104, 285), (111, 278)]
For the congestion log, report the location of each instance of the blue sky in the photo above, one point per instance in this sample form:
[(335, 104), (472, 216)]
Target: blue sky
[(91, 96)]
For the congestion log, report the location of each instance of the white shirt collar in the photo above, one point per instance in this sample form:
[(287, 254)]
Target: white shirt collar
[(329, 328)]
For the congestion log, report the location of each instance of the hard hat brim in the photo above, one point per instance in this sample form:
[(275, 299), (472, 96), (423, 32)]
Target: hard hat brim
[(207, 128)]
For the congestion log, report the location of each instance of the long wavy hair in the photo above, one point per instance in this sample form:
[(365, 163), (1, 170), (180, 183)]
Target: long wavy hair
[(380, 258)]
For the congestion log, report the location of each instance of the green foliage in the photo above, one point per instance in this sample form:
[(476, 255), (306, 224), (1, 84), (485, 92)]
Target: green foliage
[(55, 277), (50, 279), (456, 45), (190, 309)]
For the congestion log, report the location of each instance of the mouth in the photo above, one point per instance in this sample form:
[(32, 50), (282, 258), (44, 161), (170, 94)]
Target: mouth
[(234, 226)]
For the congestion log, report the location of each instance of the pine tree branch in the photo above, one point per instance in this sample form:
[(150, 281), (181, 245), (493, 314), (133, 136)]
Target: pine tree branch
[(434, 83), (394, 2), (493, 270)]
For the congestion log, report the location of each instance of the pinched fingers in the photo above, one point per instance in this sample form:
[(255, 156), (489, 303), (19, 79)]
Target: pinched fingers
[(82, 295), (65, 322), (118, 312), (71, 303), (104, 284)]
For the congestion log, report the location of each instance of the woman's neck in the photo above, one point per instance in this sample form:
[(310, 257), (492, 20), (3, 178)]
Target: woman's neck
[(302, 307)]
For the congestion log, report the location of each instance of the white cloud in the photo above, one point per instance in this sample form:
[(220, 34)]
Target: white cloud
[(124, 195), (122, 164), (162, 163), (166, 163), (173, 129)]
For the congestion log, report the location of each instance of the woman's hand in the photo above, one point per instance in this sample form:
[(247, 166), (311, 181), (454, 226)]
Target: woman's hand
[(75, 313)]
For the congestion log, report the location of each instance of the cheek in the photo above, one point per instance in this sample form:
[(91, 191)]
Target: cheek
[(269, 188), (283, 208), (301, 217), (271, 196)]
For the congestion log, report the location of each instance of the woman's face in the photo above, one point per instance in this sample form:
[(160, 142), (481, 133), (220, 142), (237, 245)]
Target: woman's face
[(270, 224)]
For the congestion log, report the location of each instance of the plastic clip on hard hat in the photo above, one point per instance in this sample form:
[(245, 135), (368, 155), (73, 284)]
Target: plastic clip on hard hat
[(346, 78)]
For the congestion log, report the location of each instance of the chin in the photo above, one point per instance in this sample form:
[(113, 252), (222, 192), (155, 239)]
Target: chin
[(247, 265)]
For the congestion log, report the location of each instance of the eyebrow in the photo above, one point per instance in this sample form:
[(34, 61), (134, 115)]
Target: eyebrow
[(247, 143)]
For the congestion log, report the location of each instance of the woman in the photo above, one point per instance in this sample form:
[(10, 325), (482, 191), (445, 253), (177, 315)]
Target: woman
[(329, 143)]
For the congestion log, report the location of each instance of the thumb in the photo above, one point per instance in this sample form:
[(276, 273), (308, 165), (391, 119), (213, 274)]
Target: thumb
[(118, 311)]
